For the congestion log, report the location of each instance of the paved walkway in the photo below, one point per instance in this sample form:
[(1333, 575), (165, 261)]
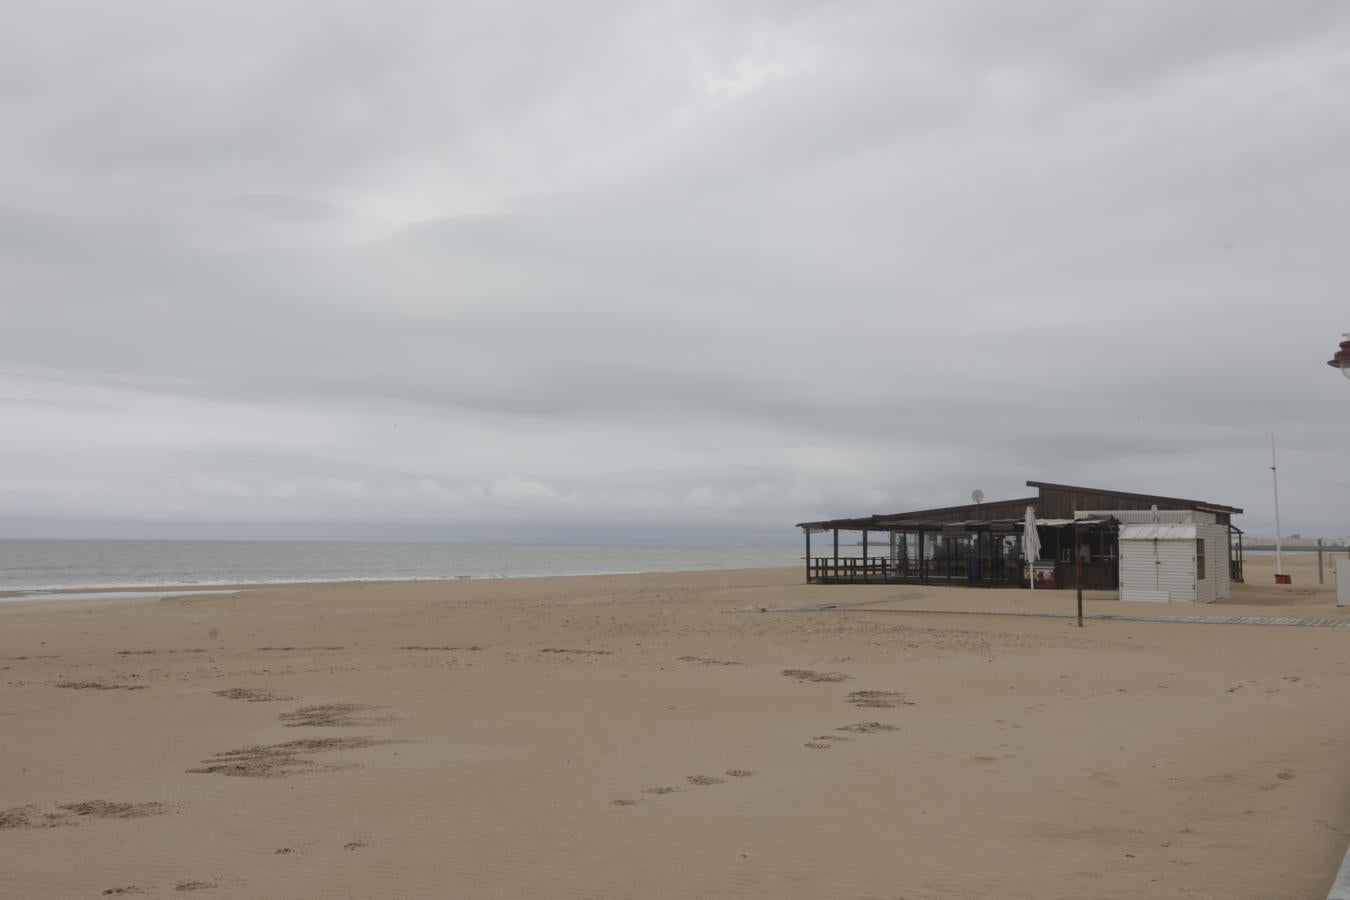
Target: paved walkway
[(1199, 620)]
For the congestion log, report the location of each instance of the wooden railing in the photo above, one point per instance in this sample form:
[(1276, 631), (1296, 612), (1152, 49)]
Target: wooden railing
[(884, 570), (851, 569)]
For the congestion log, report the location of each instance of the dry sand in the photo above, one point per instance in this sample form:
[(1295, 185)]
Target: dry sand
[(628, 736)]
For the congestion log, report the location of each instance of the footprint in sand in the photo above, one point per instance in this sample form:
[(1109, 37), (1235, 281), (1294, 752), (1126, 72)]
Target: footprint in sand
[(252, 695), (30, 817), (814, 676), (625, 802), (1283, 775), (194, 885), (280, 760), (417, 647), (121, 891), (704, 780), (332, 715), (578, 652), (739, 773), (868, 727), (71, 813), (663, 789), (108, 809), (878, 699), (98, 686), (153, 652)]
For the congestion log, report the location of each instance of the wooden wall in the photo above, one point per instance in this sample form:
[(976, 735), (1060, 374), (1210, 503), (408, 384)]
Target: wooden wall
[(1060, 504)]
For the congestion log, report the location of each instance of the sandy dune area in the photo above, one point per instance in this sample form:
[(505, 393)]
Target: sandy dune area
[(644, 736)]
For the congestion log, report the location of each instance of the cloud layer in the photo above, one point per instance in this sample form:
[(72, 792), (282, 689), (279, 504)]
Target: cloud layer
[(521, 269)]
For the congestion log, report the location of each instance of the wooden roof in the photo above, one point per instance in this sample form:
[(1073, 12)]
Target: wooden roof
[(1004, 509), (881, 522), (1203, 505)]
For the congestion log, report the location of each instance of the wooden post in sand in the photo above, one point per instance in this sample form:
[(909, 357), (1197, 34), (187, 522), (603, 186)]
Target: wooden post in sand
[(1320, 579)]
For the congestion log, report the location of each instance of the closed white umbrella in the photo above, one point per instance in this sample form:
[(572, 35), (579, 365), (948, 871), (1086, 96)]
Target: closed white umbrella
[(1031, 544)]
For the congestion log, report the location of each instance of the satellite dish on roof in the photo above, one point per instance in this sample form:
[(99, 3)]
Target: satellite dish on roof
[(977, 495)]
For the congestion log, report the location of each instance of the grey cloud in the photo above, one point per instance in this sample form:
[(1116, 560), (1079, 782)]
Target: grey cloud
[(415, 266)]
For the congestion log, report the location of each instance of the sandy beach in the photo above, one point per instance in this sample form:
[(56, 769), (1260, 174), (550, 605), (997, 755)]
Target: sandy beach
[(638, 736)]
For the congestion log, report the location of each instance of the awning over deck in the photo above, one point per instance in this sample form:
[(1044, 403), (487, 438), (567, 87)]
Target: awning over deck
[(1005, 526)]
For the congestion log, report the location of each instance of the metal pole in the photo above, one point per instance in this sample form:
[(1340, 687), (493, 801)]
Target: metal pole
[(1078, 573), (1319, 562), (1275, 480)]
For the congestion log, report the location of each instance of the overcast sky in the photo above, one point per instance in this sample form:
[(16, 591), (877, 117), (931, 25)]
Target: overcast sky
[(615, 270)]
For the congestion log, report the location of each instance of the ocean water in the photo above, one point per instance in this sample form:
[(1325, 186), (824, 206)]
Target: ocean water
[(47, 565)]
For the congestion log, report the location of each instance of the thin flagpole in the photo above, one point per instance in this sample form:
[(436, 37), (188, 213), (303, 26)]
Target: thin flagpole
[(1275, 480)]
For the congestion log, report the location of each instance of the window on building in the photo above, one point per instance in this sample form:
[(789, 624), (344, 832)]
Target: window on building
[(1200, 559)]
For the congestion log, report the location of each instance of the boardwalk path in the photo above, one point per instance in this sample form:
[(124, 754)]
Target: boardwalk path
[(1198, 620)]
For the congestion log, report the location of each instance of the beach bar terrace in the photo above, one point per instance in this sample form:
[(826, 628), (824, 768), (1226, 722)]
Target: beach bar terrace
[(981, 544)]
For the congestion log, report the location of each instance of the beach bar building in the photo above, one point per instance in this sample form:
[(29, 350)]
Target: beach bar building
[(1106, 539)]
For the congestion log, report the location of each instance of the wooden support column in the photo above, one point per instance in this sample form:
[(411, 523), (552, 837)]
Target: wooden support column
[(864, 555), (987, 573), (807, 532), (923, 561), (836, 546), (1078, 573)]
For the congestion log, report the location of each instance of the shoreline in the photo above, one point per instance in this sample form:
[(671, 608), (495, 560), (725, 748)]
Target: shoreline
[(35, 566), (22, 595)]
